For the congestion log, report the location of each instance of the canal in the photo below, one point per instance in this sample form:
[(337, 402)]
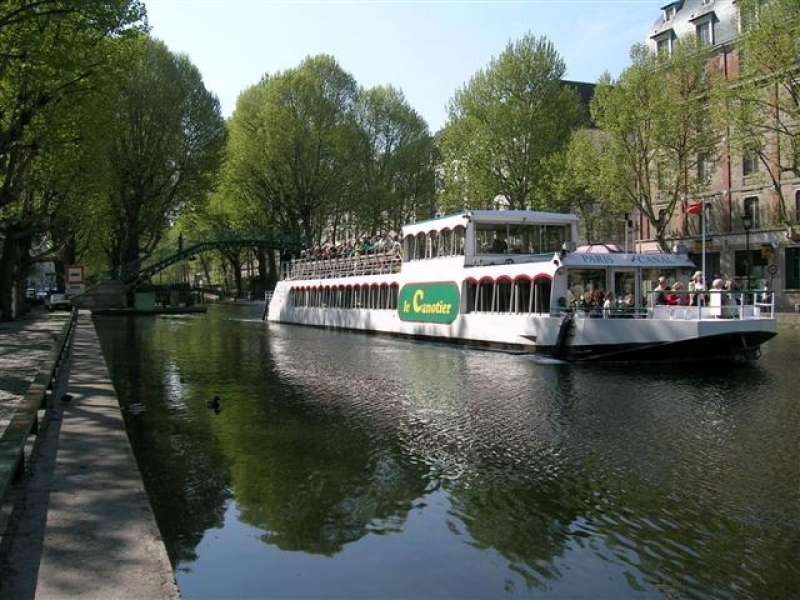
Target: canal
[(350, 466)]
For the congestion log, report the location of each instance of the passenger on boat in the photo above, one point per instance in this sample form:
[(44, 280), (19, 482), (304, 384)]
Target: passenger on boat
[(678, 297), (499, 245), (721, 299), (660, 297), (609, 305), (570, 300), (696, 284), (765, 296), (593, 303)]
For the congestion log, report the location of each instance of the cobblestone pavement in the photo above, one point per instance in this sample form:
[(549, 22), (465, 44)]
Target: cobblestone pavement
[(25, 345)]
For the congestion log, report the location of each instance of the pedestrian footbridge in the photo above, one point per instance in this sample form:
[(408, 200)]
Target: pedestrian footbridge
[(111, 290)]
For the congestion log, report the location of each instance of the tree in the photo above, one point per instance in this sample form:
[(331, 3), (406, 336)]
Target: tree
[(761, 107), (505, 124), (581, 187), (657, 129), (395, 169), (163, 151), (294, 145), (52, 52)]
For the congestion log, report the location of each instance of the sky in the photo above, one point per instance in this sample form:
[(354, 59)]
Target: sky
[(428, 49)]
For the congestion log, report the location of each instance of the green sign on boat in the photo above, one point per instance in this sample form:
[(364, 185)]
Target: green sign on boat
[(429, 302)]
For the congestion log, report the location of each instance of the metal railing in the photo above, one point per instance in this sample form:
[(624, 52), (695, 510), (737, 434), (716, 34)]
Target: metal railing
[(705, 305), (716, 304), (380, 263)]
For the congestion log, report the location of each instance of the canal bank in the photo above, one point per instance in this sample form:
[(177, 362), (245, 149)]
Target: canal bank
[(80, 523)]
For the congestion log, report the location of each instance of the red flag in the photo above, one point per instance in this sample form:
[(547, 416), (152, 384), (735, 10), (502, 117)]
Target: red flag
[(694, 209)]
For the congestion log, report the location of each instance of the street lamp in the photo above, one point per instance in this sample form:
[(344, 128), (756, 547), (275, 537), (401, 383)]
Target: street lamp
[(747, 223)]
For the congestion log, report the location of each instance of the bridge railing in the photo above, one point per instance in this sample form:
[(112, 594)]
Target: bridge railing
[(139, 271)]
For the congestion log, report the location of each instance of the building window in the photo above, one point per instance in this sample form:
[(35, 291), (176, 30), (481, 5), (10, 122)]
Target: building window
[(705, 33), (752, 266), (703, 170), (751, 206), (669, 12), (749, 164), (664, 45), (793, 268)]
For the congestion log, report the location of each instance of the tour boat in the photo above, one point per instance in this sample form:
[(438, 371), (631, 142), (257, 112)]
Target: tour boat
[(515, 280)]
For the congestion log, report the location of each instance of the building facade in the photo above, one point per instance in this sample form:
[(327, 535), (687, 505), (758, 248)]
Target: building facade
[(746, 238)]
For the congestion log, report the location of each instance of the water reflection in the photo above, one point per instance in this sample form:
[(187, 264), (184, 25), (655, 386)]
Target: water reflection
[(401, 469)]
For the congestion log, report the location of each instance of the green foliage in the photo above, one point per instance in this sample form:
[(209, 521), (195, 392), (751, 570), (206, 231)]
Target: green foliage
[(309, 151), (53, 56), (395, 168), (582, 186), (293, 144), (506, 126), (657, 128), (163, 146)]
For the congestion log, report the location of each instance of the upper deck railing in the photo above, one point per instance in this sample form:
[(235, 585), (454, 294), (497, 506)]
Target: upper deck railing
[(372, 263)]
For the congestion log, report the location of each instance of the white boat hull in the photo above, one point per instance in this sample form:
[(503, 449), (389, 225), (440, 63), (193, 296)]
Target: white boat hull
[(588, 339)]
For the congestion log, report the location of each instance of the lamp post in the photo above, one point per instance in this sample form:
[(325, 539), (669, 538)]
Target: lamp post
[(747, 223)]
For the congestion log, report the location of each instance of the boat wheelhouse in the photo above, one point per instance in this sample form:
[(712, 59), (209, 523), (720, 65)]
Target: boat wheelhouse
[(513, 280)]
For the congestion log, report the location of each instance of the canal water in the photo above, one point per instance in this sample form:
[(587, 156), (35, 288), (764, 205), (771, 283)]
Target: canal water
[(351, 466)]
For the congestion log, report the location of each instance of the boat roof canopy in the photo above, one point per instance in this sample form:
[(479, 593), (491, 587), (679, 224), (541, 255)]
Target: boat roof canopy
[(490, 216)]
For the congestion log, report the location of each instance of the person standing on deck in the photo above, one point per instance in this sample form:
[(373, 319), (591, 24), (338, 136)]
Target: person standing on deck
[(696, 284)]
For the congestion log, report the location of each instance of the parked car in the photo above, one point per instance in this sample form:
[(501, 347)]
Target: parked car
[(58, 302)]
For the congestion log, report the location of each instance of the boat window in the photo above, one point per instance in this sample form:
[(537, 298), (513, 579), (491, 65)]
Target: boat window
[(491, 238), (502, 296), (459, 239), (446, 242), (503, 238), (432, 244), (470, 293), (625, 287), (483, 298), (420, 244), (583, 281), (373, 297), (542, 291), (522, 297)]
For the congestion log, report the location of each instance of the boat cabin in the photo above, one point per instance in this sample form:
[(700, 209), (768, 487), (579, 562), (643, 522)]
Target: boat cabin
[(488, 237), (631, 277)]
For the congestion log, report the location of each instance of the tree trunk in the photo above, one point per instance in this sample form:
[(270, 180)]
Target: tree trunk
[(236, 268), (11, 294)]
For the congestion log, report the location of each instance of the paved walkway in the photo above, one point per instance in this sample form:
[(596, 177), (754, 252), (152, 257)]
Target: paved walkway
[(25, 344), (82, 525)]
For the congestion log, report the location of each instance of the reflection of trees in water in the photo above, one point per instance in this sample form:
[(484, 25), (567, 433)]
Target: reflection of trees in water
[(645, 476), (186, 480), (679, 515), (317, 480)]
